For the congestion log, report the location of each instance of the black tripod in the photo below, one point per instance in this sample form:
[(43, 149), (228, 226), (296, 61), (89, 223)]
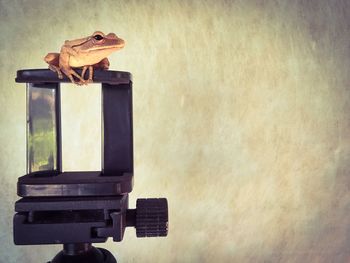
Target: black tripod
[(77, 209), (83, 253)]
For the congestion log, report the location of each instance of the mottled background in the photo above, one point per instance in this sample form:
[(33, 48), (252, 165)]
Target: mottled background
[(241, 119)]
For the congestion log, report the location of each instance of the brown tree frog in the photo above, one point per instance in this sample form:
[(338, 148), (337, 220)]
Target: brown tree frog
[(86, 53)]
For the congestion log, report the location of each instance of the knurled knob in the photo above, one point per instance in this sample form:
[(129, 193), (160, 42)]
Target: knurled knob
[(151, 217)]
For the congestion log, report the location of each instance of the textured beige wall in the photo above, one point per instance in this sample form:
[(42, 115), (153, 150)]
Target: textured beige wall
[(241, 118)]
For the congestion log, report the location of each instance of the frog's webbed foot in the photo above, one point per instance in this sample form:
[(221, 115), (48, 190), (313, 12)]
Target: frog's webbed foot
[(70, 73), (57, 70)]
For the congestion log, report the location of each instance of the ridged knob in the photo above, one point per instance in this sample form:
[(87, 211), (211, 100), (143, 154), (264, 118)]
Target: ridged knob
[(151, 217)]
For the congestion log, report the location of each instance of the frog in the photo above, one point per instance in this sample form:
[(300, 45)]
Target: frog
[(87, 53)]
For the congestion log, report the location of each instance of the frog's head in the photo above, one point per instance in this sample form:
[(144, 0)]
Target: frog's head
[(101, 45)]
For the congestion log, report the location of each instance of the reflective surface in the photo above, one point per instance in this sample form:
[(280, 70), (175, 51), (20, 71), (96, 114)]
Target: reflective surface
[(41, 129)]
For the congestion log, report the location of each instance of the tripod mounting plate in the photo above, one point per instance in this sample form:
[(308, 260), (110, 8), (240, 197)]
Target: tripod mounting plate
[(58, 220)]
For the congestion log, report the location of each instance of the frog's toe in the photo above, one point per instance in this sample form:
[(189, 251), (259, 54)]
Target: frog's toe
[(57, 70), (79, 83), (82, 82)]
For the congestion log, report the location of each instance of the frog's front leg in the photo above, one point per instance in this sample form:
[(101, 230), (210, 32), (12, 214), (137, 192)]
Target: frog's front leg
[(103, 64), (83, 71), (69, 72), (91, 70), (65, 54), (91, 73)]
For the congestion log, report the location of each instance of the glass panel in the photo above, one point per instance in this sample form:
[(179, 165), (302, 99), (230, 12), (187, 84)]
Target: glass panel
[(41, 128)]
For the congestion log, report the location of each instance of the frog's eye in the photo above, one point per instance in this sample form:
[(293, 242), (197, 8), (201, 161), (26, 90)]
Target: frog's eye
[(98, 37)]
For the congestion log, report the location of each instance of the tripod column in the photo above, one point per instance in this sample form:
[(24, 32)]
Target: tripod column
[(83, 253), (76, 249)]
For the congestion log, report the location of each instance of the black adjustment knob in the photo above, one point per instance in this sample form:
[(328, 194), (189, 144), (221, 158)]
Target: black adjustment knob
[(151, 217)]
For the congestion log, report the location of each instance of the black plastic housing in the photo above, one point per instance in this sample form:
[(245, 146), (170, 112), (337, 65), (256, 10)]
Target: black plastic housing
[(80, 208)]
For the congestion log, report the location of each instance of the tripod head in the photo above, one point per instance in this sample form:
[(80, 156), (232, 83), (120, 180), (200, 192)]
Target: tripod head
[(80, 208)]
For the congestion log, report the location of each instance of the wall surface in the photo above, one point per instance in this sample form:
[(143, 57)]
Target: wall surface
[(241, 119)]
